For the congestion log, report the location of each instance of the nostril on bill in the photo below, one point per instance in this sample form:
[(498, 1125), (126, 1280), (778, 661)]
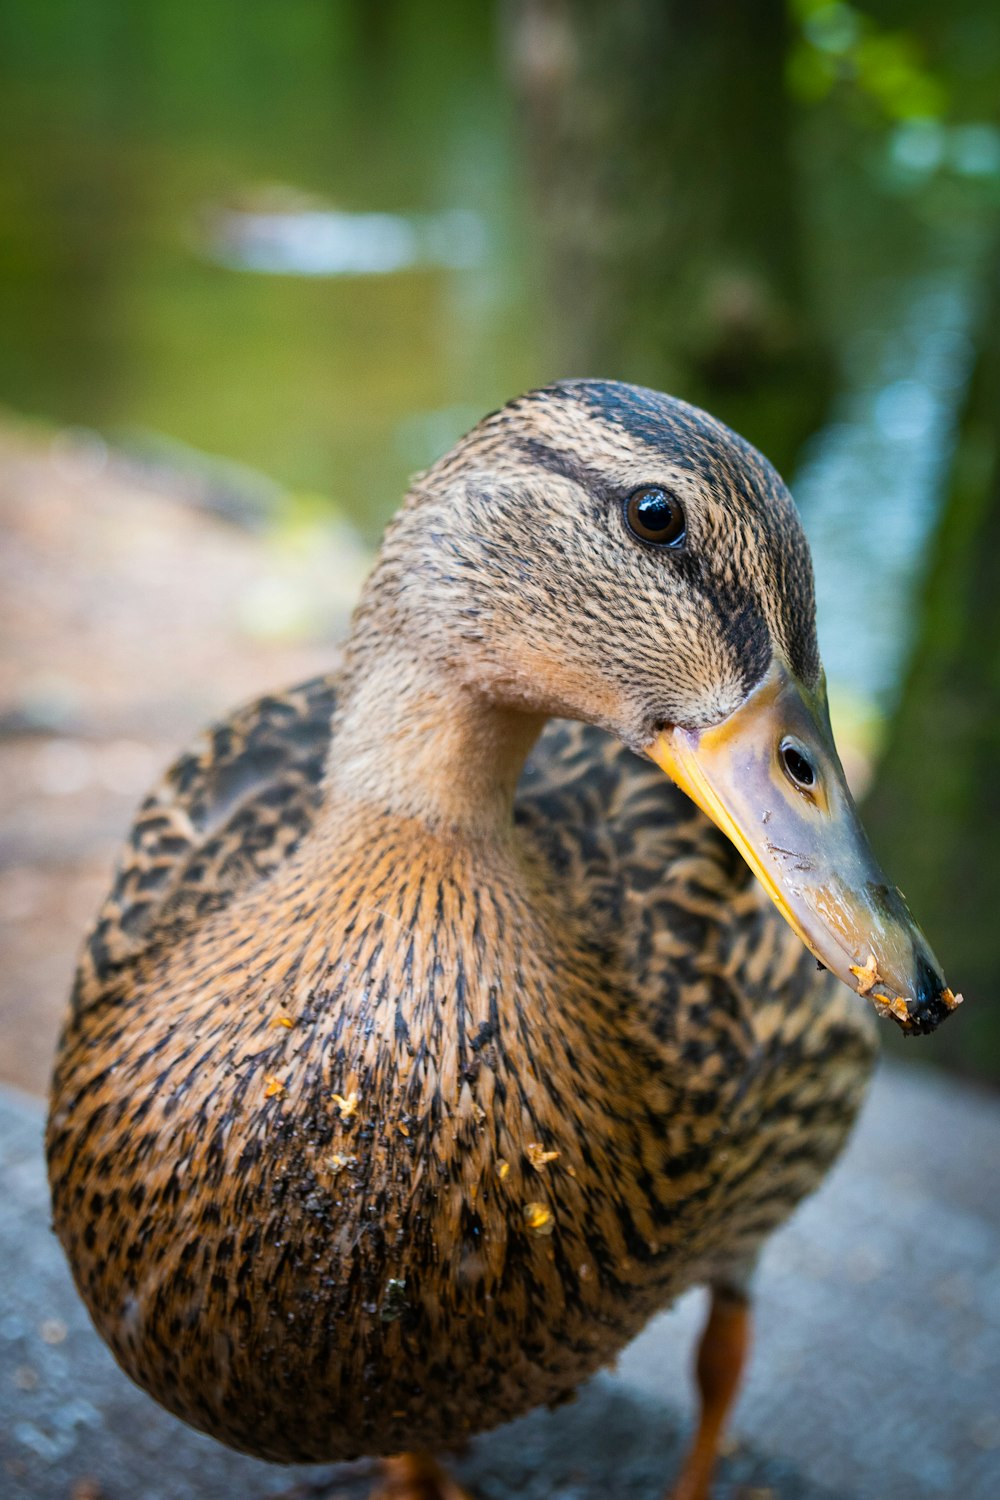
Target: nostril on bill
[(797, 766)]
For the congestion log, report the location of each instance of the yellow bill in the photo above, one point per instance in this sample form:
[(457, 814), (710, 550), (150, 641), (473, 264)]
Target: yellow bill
[(769, 776)]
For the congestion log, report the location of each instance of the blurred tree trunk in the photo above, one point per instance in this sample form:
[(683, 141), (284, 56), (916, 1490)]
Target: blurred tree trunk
[(934, 812), (658, 134)]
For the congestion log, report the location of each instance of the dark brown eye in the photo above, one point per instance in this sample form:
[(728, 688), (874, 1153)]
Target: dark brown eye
[(655, 515)]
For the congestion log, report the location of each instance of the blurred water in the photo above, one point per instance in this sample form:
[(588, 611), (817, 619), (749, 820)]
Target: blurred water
[(870, 482), (310, 240), (287, 236)]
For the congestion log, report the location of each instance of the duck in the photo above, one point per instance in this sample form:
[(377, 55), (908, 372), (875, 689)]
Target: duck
[(452, 1013)]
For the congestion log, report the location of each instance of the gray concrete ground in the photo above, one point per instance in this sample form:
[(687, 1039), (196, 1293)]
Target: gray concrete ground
[(876, 1373)]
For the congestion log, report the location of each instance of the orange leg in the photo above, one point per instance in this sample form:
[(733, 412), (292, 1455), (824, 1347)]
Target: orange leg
[(416, 1476), (721, 1356)]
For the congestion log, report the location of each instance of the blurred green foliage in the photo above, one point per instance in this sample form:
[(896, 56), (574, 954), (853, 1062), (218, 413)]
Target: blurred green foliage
[(841, 45)]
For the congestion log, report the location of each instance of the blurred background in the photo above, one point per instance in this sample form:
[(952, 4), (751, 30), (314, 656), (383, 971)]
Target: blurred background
[(259, 263)]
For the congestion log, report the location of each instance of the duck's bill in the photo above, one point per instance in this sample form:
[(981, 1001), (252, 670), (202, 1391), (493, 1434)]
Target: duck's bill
[(769, 776)]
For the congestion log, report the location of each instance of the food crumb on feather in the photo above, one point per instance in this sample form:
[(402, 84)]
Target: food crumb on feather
[(347, 1105), (538, 1156), (539, 1218)]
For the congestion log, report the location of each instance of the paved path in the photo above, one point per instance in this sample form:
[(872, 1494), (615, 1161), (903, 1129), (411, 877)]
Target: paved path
[(876, 1374), (131, 613)]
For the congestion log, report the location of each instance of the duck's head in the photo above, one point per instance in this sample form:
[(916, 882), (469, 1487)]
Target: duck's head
[(603, 552)]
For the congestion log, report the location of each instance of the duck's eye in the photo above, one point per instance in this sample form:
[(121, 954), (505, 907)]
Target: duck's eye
[(655, 515)]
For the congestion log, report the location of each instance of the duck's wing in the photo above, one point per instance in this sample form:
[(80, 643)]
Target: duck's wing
[(226, 813)]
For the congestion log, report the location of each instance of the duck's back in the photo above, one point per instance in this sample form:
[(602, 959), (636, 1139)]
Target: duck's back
[(224, 816)]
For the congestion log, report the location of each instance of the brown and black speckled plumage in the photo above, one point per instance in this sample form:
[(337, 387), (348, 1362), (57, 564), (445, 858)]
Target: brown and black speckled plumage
[(339, 1000)]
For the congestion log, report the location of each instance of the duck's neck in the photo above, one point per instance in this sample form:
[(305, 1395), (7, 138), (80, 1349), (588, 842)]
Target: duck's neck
[(412, 740)]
